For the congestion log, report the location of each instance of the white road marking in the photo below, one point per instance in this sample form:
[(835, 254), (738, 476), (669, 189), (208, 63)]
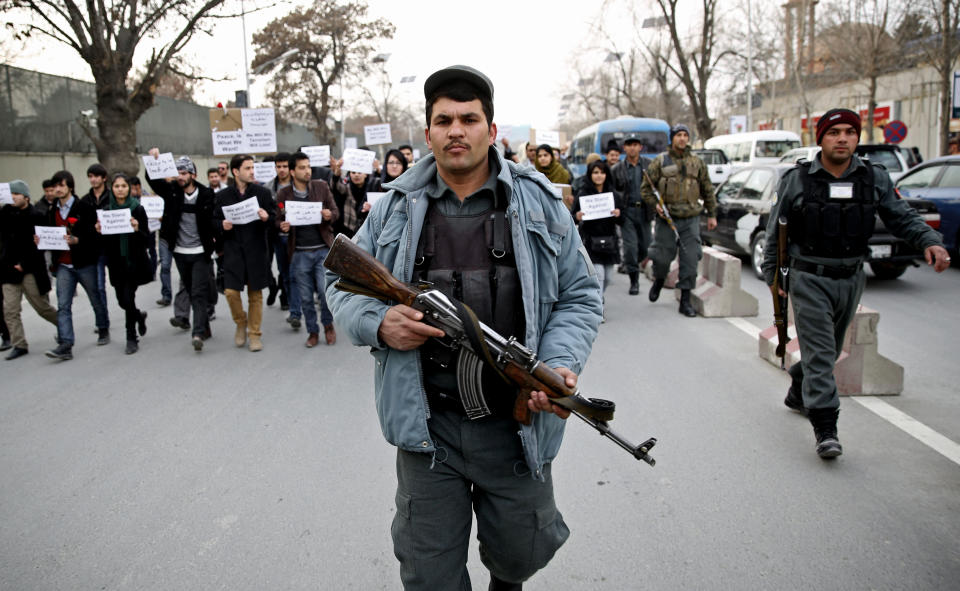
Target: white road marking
[(909, 425)]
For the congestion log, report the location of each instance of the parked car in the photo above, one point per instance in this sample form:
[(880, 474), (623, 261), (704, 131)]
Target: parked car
[(743, 207), (911, 155), (717, 164), (888, 155), (797, 154), (938, 181)]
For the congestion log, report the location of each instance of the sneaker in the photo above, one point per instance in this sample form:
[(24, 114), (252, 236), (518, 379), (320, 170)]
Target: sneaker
[(163, 302), (17, 352), (828, 445), (197, 343), (62, 352), (293, 322), (142, 323), (104, 338), (794, 402), (178, 322), (132, 347)]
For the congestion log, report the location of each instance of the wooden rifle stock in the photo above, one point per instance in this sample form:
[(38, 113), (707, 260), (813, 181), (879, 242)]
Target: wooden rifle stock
[(363, 274), (780, 282)]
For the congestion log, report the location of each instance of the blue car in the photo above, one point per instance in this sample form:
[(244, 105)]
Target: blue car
[(938, 181)]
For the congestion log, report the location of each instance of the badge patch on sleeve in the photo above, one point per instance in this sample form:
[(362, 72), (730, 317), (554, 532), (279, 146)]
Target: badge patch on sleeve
[(841, 190)]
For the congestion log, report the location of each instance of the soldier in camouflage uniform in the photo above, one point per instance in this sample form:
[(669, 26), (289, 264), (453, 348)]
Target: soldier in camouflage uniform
[(830, 205), (682, 179)]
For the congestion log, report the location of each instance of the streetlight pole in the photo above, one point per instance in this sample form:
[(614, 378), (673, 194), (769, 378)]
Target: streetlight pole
[(246, 62), (749, 66)]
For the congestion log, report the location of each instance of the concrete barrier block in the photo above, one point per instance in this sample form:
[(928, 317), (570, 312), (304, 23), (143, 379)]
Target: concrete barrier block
[(860, 368), (718, 292), (672, 277)]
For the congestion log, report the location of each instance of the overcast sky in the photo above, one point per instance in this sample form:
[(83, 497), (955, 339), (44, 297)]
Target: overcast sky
[(526, 49)]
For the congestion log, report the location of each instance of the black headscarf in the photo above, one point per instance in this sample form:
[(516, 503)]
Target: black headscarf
[(384, 177)]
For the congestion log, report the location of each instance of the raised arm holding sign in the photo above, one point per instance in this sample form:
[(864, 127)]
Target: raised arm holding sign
[(161, 167), (358, 160)]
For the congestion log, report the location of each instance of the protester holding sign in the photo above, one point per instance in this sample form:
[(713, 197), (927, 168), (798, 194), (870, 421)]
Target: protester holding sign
[(246, 258), (548, 165), (23, 270), (395, 164), (307, 245), (77, 265), (351, 197), (127, 258), (187, 230), (600, 235)]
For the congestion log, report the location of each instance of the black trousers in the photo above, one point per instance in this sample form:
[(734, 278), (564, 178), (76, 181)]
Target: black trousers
[(127, 298), (194, 270)]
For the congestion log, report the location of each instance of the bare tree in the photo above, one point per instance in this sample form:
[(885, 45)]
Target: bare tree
[(332, 37), (942, 50), (106, 34)]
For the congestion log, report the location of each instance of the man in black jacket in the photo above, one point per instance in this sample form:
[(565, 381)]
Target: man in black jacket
[(76, 265), (188, 229), (99, 198), (627, 178), (23, 271)]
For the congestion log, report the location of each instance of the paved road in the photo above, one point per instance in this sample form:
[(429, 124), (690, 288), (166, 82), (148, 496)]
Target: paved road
[(233, 470)]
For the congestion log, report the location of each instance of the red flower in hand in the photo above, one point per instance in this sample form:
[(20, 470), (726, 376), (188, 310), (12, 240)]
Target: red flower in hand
[(280, 205), (72, 220)]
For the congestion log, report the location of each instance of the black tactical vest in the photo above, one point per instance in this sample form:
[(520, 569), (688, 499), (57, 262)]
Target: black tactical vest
[(470, 258), (834, 218)]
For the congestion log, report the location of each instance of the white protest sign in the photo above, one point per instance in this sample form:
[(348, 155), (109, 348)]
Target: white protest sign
[(350, 142), (373, 197), (551, 138), (6, 198), (114, 221), (243, 212), (264, 172), (162, 167), (227, 142), (153, 206), (153, 225), (374, 135), (303, 213), (504, 131), (595, 207), (319, 155), (259, 130), (416, 154), (358, 160), (52, 237)]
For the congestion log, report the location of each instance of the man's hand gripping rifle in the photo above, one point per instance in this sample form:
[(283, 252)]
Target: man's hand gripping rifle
[(362, 274)]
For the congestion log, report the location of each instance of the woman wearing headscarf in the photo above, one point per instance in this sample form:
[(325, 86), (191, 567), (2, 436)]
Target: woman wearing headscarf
[(600, 236), (394, 165), (548, 165), (127, 258), (350, 194)]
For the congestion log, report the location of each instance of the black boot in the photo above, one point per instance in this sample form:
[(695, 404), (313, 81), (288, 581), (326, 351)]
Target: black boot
[(634, 283), (498, 585), (685, 307), (654, 294), (824, 421), (794, 399)]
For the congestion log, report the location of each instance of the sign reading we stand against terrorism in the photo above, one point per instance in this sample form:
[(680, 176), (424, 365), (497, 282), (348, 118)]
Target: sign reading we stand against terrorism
[(114, 221), (243, 131)]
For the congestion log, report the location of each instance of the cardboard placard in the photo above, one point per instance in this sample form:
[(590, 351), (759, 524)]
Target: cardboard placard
[(264, 172), (161, 167), (114, 221), (554, 139), (319, 155), (242, 213), (6, 197), (243, 131), (374, 135), (374, 196), (596, 207), (153, 206), (52, 237), (303, 213), (358, 160)]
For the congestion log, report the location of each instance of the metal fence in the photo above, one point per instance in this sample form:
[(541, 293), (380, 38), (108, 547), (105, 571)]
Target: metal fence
[(43, 113)]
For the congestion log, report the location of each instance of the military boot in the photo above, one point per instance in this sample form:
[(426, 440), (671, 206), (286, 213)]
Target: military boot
[(685, 307), (499, 585), (794, 399), (654, 294), (824, 421), (634, 282)]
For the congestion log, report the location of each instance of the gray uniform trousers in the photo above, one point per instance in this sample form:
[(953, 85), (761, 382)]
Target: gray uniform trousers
[(823, 309), (636, 237), (478, 467), (664, 249)]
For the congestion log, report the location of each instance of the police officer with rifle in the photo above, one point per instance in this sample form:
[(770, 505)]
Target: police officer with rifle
[(829, 205)]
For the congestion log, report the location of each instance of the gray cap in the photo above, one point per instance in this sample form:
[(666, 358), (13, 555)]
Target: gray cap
[(470, 75), (185, 164), (20, 187)]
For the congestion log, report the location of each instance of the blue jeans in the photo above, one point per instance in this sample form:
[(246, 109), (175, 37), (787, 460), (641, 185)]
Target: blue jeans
[(166, 262), (102, 288), (67, 279), (308, 273), (289, 286)]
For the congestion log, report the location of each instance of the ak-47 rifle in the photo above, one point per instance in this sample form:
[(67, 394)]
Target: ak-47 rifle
[(362, 274), (780, 283), (663, 207)]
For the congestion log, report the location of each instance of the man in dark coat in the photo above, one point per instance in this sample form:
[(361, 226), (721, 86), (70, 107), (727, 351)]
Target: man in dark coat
[(99, 198), (189, 231), (23, 270), (246, 256)]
